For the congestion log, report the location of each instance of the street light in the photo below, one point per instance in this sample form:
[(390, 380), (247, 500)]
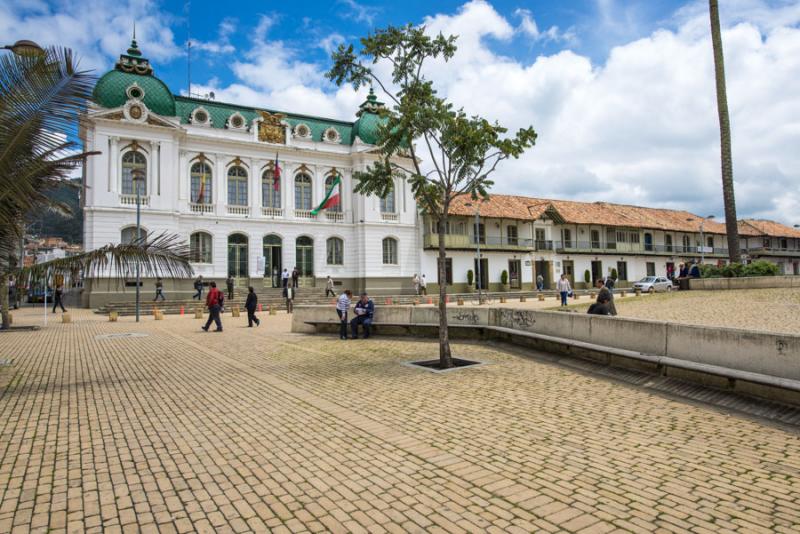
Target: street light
[(478, 248), (137, 175), (702, 239), (25, 48)]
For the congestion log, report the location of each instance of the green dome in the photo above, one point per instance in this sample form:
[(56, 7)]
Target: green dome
[(111, 88), (369, 119)]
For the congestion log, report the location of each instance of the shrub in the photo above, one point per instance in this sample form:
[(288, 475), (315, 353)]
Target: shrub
[(709, 271), (504, 277), (470, 277), (760, 268), (587, 276), (732, 270)]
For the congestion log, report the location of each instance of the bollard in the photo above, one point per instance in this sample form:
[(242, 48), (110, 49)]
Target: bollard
[(502, 300), (447, 299), (541, 297), (153, 311), (523, 299), (260, 308), (622, 294), (575, 296), (460, 301), (271, 310), (198, 313), (181, 310), (235, 311), (638, 292), (10, 318), (430, 300), (158, 315), (592, 295), (113, 316), (66, 318), (416, 302)]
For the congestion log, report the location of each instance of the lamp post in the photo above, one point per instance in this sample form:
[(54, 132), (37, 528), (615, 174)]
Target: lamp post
[(478, 249), (137, 175), (702, 238)]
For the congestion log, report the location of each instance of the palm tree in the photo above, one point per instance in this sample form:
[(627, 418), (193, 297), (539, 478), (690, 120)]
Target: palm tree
[(731, 227), (43, 97)]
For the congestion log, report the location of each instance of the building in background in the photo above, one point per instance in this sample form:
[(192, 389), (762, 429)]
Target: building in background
[(240, 185)]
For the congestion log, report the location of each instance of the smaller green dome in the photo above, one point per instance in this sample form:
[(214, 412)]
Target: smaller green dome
[(370, 119), (111, 90)]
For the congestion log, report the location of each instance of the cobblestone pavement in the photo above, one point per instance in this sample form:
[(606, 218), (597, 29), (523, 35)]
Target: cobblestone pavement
[(771, 310), (263, 430)]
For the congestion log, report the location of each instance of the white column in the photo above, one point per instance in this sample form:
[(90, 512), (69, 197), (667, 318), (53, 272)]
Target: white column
[(255, 186), (113, 167), (221, 183), (287, 190), (184, 180)]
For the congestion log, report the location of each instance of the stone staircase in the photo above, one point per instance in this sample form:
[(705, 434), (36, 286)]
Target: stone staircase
[(272, 298)]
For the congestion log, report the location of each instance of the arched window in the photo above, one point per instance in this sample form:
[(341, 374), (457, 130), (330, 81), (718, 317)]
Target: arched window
[(390, 251), (328, 182), (134, 163), (128, 234), (335, 249), (237, 186), (387, 203), (200, 247), (270, 190), (202, 183), (302, 192)]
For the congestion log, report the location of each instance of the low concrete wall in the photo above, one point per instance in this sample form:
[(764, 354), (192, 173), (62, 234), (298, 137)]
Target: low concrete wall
[(754, 282), (745, 350)]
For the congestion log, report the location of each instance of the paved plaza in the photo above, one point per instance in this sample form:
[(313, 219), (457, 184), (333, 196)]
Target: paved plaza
[(262, 430)]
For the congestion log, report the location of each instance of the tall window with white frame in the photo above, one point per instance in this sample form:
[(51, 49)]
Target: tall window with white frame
[(128, 235), (328, 182), (201, 183), (302, 192), (388, 203), (200, 247), (390, 251), (133, 161), (237, 186), (335, 251), (270, 190)]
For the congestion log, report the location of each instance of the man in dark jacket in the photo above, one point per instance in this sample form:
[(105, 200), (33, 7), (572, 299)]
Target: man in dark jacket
[(250, 305), (214, 302), (198, 286), (363, 310), (230, 283), (600, 307), (58, 296), (605, 294)]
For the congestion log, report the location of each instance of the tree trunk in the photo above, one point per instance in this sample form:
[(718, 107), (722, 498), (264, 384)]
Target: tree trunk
[(4, 301), (731, 227), (445, 358)]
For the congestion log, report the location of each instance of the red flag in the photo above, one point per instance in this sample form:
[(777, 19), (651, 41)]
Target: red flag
[(276, 176)]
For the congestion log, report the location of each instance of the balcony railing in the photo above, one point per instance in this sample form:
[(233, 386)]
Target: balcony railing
[(304, 214), (635, 248), (201, 208), (238, 210), (336, 216), (272, 212), (390, 217), (130, 200), (467, 241), (771, 251)]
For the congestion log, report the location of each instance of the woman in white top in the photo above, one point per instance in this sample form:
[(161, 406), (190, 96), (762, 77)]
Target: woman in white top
[(564, 288)]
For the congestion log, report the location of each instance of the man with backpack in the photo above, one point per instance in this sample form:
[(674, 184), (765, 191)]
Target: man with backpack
[(214, 302)]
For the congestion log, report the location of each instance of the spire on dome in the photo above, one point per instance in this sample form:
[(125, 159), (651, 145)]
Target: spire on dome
[(371, 104), (134, 48), (132, 61)]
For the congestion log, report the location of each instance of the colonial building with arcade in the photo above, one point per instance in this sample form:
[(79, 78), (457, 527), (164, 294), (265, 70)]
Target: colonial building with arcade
[(242, 185)]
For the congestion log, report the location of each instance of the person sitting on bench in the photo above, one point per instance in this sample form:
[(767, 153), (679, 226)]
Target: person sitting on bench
[(364, 309)]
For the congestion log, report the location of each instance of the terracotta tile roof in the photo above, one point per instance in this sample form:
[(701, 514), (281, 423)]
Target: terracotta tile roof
[(600, 213), (760, 227)]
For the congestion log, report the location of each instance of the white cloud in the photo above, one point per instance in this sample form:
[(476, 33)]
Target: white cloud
[(360, 12), (529, 27), (222, 44)]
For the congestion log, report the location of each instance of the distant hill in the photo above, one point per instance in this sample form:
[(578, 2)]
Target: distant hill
[(53, 224)]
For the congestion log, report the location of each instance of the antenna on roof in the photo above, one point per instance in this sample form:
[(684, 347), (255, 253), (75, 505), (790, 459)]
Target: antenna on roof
[(188, 9)]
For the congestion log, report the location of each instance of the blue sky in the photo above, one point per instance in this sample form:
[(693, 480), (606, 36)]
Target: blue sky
[(621, 93)]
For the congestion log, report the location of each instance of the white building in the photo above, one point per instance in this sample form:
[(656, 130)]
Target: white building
[(207, 172)]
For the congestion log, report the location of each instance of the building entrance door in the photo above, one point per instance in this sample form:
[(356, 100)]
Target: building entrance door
[(237, 259), (515, 274), (304, 256), (597, 271), (543, 269), (273, 261), (569, 270), (483, 282)]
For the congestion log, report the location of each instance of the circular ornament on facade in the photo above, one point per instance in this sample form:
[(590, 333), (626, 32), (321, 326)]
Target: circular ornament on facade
[(236, 121), (135, 110), (200, 117), (135, 92), (302, 131), (331, 135)]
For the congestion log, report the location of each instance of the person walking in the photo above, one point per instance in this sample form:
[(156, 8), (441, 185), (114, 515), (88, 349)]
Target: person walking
[(214, 301), (600, 307), (295, 276), (415, 281), (250, 305), (289, 294), (58, 297), (564, 288), (230, 283), (610, 283), (198, 286), (284, 277), (423, 286), (13, 291), (363, 310), (342, 307), (539, 282), (159, 290), (329, 292), (606, 295)]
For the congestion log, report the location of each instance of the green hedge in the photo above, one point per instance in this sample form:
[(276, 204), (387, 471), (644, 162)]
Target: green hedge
[(736, 270)]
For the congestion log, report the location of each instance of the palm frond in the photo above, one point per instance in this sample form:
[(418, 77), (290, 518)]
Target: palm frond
[(165, 255)]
